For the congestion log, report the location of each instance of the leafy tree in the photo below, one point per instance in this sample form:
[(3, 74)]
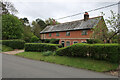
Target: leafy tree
[(41, 23), (114, 24), (51, 21), (100, 30), (38, 25), (34, 39), (11, 27), (8, 7), (24, 20), (27, 34)]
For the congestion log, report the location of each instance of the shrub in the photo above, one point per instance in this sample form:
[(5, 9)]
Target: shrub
[(92, 41), (15, 44), (108, 52), (34, 39), (47, 53), (46, 41), (40, 47), (54, 41), (6, 48), (74, 50)]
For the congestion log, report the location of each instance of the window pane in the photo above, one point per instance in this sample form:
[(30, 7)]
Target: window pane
[(49, 34), (57, 34), (67, 33), (75, 42), (84, 32), (67, 43)]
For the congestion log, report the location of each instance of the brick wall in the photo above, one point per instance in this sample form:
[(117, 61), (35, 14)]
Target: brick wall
[(74, 36)]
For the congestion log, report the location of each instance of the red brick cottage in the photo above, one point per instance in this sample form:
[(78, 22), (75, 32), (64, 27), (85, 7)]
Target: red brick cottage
[(72, 32)]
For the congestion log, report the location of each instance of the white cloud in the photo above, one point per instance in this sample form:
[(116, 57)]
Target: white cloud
[(44, 9)]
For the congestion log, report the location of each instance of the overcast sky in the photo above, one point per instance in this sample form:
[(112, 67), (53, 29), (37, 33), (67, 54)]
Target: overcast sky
[(44, 9)]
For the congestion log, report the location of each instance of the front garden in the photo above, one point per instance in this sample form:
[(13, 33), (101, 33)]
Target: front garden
[(96, 57)]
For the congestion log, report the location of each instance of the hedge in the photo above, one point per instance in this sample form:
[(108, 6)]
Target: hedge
[(74, 50), (15, 44), (93, 41), (108, 52), (41, 47), (52, 41)]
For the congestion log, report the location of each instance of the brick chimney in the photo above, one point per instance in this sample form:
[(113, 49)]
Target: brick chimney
[(86, 16), (54, 22)]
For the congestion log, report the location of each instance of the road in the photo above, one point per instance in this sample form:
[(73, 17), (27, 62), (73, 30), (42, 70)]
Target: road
[(17, 67)]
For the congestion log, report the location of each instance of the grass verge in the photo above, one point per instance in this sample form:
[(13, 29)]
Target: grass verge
[(84, 63)]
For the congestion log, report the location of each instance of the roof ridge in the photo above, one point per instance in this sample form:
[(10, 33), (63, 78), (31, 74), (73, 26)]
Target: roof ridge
[(78, 20)]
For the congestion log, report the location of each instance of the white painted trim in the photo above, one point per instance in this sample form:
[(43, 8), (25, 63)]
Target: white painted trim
[(75, 41)]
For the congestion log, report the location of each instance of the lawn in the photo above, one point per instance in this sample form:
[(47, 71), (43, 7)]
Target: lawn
[(84, 63)]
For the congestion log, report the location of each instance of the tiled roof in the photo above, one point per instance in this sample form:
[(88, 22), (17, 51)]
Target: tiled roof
[(74, 25)]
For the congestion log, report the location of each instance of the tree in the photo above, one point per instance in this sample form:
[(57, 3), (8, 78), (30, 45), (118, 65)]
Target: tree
[(100, 30), (38, 25), (114, 24), (51, 21), (24, 20), (11, 27), (8, 7), (27, 34), (41, 23)]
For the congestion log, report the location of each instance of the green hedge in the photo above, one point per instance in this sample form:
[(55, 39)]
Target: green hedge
[(15, 44), (74, 50), (52, 41), (93, 41), (41, 47), (108, 52)]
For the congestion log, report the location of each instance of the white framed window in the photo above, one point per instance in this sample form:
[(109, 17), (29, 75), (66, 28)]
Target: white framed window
[(84, 32), (50, 34), (57, 34), (74, 42), (67, 33), (67, 43)]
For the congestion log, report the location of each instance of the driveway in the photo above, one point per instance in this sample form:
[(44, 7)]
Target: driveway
[(13, 52), (17, 67)]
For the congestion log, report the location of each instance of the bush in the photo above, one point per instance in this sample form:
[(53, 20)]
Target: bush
[(40, 47), (92, 41), (46, 41), (108, 52), (6, 48), (47, 53), (53, 41), (34, 39), (15, 44), (74, 50)]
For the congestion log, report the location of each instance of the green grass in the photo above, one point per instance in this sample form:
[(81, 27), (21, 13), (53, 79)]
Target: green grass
[(85, 63), (6, 48)]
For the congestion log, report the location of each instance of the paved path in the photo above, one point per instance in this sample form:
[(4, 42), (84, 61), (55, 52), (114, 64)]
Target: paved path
[(13, 52), (17, 67)]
